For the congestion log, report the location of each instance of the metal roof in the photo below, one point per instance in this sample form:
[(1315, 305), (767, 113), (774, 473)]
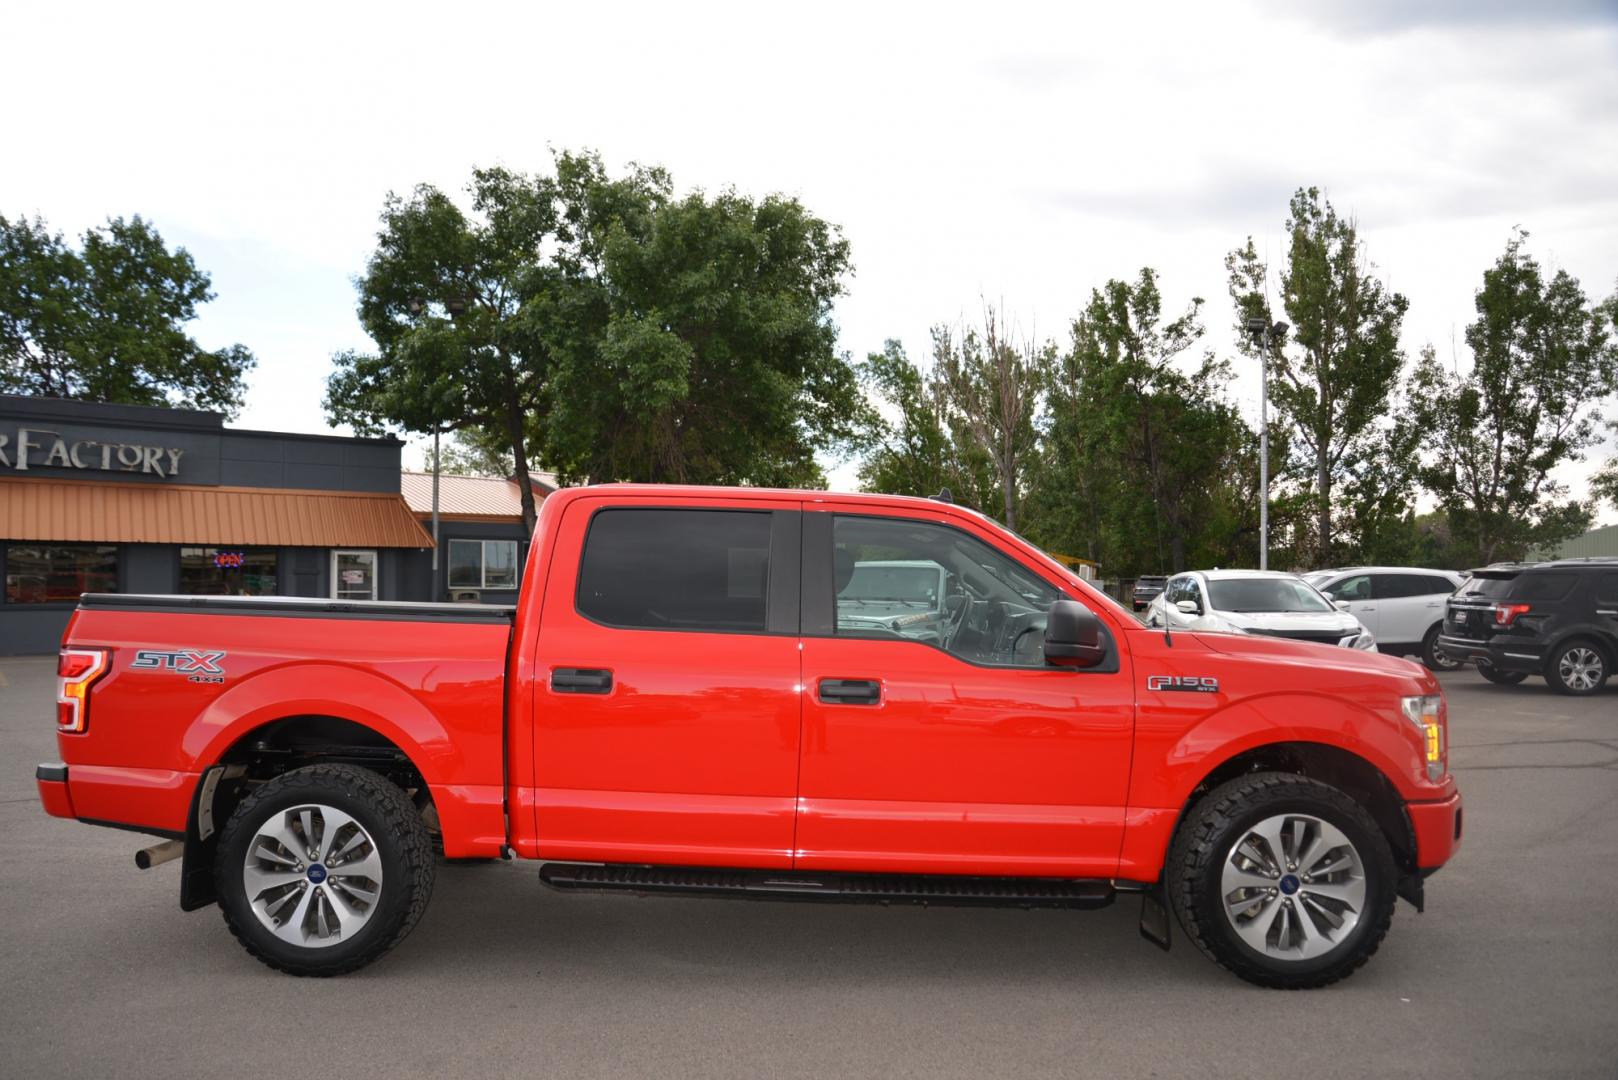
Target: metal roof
[(470, 496), (93, 511)]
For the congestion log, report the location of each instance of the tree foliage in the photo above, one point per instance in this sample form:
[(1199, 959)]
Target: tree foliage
[(1333, 373), (1543, 358), (694, 341), (911, 442), (107, 322)]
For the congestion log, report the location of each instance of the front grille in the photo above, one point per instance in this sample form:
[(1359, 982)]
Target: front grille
[(1324, 637)]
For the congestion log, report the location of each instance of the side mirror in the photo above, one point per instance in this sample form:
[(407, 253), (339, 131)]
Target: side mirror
[(1073, 636), (1189, 607), (1340, 605)]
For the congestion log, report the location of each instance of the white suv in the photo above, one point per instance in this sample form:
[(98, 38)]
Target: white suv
[(1255, 602), (1402, 605)]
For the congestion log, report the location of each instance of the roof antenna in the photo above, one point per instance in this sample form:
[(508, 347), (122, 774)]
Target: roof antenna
[(944, 496)]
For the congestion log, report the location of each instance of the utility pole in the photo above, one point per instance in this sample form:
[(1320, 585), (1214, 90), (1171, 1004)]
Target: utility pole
[(1264, 336)]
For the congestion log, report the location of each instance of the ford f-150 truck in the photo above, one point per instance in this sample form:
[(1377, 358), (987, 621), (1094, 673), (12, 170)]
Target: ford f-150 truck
[(680, 704)]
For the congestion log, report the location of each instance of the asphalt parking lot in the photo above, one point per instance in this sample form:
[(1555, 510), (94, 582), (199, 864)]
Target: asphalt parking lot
[(1513, 970)]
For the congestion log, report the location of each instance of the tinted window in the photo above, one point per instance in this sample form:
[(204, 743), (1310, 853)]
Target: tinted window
[(1607, 588), (1494, 588), (1542, 587), (676, 569), (1394, 586), (1353, 588), (917, 581)]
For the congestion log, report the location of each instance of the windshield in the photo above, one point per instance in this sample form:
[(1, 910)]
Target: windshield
[(1264, 595), (876, 583)]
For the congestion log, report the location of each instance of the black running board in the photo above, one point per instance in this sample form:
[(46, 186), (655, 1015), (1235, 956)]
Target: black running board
[(845, 888)]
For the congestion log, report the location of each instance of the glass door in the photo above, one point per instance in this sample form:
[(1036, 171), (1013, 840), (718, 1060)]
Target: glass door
[(353, 575)]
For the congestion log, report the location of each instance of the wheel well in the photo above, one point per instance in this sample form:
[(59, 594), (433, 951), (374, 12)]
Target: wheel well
[(1345, 771), (265, 753), (1593, 638)]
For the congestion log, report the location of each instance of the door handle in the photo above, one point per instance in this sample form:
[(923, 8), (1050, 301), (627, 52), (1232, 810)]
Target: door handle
[(573, 680), (850, 691)]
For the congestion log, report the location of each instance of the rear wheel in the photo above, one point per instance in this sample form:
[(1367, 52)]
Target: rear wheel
[(1434, 657), (323, 869), (1283, 880), (1503, 678), (1579, 667)]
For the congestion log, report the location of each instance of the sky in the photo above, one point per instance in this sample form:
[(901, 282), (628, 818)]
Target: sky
[(1020, 154)]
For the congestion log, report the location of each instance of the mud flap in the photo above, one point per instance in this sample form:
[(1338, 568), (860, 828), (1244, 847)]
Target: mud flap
[(1154, 917)]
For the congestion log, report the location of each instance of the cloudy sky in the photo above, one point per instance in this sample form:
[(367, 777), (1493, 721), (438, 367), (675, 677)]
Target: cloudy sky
[(1024, 154)]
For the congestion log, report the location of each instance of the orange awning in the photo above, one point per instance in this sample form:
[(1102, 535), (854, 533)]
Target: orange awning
[(85, 510)]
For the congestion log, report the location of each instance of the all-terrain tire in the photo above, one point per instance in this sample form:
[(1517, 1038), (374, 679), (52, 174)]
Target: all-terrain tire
[(396, 832), (1221, 819)]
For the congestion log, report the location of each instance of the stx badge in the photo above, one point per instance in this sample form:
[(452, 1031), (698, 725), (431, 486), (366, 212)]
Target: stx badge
[(1195, 684), (199, 666)]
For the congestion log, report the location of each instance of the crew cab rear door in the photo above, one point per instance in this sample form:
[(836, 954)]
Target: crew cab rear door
[(666, 708), (936, 739)]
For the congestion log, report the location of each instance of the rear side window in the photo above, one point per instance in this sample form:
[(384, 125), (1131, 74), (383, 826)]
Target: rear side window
[(1542, 587), (660, 569), (1395, 586)]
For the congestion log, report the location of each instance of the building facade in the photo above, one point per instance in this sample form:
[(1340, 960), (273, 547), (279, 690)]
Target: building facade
[(119, 498), (482, 542)]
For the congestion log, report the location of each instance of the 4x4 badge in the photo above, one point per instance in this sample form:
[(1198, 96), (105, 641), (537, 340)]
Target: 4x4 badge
[(1196, 684)]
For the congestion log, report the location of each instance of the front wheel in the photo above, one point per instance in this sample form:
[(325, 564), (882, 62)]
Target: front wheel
[(1578, 667), (1283, 880), (1501, 678), (323, 869)]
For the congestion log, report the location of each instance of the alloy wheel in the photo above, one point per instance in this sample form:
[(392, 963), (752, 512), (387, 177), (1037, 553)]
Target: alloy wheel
[(1581, 668), (1293, 887), (312, 875)]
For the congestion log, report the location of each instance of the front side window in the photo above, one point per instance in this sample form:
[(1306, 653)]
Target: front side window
[(59, 573), (1352, 589), (668, 569), (483, 564), (212, 571), (916, 581)]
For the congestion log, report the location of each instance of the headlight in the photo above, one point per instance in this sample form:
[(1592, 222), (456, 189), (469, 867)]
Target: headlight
[(1366, 640), (1431, 717)]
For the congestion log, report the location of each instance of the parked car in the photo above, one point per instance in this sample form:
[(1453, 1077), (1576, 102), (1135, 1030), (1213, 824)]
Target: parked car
[(898, 596), (1555, 619), (1256, 602), (1402, 605), (1148, 587), (680, 704)]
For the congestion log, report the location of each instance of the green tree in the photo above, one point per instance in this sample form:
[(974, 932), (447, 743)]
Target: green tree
[(915, 451), (1332, 377), (107, 322), (994, 388), (1542, 361), (1157, 447), (450, 298), (694, 342)]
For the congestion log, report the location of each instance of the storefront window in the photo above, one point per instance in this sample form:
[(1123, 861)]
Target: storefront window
[(58, 573), (206, 571), (483, 564)]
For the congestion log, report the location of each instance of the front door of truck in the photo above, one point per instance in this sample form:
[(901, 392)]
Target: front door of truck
[(666, 708), (936, 739)]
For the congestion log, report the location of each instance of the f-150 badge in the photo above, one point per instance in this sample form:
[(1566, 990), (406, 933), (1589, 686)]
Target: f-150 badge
[(198, 665), (1195, 684)]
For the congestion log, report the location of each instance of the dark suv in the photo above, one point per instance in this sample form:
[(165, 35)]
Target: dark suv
[(1147, 588), (1556, 619)]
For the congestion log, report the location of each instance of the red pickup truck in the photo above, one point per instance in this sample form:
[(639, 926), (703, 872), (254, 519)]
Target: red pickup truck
[(700, 692)]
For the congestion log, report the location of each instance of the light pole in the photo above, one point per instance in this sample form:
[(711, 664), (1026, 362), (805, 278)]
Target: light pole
[(1264, 336)]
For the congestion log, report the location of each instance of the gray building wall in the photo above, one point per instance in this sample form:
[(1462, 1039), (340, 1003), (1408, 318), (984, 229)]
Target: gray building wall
[(417, 566)]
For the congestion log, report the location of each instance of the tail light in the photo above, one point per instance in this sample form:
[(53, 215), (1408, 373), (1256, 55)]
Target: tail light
[(1506, 614), (76, 670), (1430, 714)]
